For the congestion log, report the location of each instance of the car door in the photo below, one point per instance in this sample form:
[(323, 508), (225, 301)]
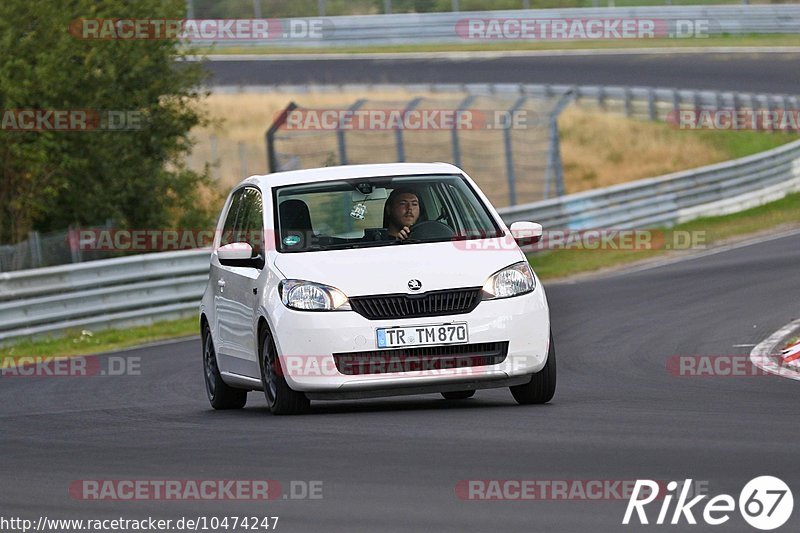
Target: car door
[(238, 286)]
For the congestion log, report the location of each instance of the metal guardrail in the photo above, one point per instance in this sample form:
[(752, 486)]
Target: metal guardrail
[(109, 292), (145, 288), (667, 200), (441, 28)]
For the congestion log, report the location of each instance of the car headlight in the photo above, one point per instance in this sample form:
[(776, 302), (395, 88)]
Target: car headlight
[(308, 296), (511, 281)]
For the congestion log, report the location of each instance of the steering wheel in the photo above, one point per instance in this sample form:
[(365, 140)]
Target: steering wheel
[(431, 229)]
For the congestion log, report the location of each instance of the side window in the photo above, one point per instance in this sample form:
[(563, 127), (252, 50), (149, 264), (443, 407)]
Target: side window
[(250, 222), (228, 228)]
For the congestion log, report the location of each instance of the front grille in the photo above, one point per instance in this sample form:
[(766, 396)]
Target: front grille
[(417, 359), (434, 303)]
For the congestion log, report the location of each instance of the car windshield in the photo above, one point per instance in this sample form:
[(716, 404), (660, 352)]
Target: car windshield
[(368, 212)]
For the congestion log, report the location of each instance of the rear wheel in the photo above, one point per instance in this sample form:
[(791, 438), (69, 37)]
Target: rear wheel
[(282, 400), (542, 385), (458, 395), (220, 394)]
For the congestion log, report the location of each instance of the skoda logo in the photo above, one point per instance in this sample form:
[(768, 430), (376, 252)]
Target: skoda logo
[(414, 284)]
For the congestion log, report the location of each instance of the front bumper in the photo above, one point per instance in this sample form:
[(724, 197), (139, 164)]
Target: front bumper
[(306, 342)]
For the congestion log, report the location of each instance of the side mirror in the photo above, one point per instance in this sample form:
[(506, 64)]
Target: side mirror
[(239, 254), (526, 233)]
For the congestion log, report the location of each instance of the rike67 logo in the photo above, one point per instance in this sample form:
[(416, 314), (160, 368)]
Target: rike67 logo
[(765, 503)]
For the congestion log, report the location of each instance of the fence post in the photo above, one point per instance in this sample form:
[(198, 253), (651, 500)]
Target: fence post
[(214, 155), (628, 108), (340, 140), (242, 160), (676, 103), (272, 161), (36, 249), (74, 240), (398, 134), (651, 104), (454, 132), (554, 154), (512, 186)]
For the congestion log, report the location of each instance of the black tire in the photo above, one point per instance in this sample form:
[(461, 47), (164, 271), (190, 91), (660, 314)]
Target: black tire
[(220, 394), (542, 385), (281, 399), (458, 395)]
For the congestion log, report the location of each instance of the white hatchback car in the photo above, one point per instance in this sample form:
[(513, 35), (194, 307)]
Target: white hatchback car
[(371, 280)]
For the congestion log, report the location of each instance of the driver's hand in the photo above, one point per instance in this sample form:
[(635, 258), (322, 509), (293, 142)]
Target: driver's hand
[(403, 233)]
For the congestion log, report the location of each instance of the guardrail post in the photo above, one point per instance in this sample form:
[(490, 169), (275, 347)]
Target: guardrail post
[(698, 105), (454, 132), (272, 162), (512, 186), (340, 140), (398, 134), (601, 97)]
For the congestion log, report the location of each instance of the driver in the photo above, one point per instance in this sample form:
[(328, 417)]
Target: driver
[(402, 211)]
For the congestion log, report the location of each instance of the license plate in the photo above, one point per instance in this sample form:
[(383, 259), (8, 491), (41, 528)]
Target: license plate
[(423, 335)]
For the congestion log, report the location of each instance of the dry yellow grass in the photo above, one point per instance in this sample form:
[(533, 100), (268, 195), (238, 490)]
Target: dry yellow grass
[(598, 149)]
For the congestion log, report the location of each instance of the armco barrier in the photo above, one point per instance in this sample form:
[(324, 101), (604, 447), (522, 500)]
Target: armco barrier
[(440, 28), (100, 294), (144, 288)]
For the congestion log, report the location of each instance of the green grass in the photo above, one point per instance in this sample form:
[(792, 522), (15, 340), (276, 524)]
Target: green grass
[(742, 143), (566, 262), (721, 40), (83, 342)]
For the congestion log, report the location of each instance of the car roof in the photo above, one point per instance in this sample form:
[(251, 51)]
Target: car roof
[(293, 177)]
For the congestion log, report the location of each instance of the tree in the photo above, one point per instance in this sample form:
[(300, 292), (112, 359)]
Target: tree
[(52, 179)]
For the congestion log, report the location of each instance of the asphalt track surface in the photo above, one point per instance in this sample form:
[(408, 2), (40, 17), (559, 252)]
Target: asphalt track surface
[(393, 464), (744, 72)]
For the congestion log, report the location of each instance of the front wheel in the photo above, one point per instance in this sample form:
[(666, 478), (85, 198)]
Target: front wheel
[(542, 385), (220, 394), (282, 400)]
